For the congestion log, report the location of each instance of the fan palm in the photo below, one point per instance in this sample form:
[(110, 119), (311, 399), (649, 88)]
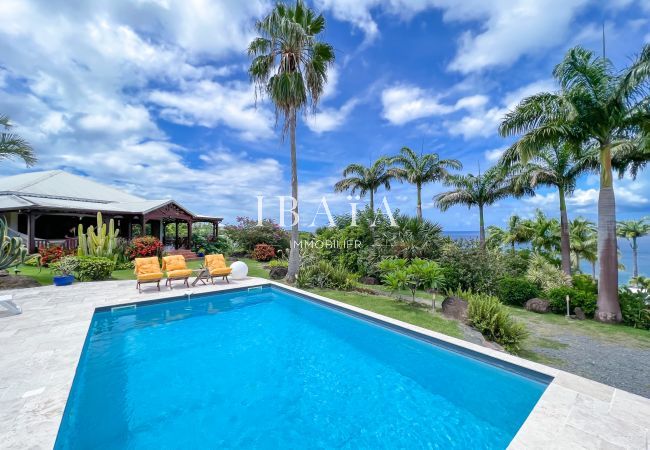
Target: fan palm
[(558, 166), (478, 191), (420, 169), (365, 180), (584, 243), (603, 110), (414, 238), (289, 64), (632, 230), (12, 145)]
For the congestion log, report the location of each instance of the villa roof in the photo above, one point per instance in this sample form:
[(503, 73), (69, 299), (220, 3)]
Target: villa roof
[(61, 191)]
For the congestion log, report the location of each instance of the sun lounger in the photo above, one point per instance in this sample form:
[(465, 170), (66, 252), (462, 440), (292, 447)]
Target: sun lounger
[(7, 302)]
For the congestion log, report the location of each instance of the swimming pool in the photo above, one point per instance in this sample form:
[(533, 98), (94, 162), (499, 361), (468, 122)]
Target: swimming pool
[(267, 368)]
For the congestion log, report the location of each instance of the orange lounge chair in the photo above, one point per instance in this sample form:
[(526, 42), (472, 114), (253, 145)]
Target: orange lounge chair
[(216, 264), (147, 270), (176, 269)]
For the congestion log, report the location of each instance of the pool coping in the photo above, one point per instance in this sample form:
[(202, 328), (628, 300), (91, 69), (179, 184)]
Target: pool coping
[(44, 344)]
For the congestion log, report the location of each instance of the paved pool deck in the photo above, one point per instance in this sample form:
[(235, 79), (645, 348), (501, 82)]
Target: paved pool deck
[(40, 348)]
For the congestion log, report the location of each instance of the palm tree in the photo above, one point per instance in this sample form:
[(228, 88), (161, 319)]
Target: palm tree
[(516, 232), (632, 230), (544, 233), (603, 110), (496, 237), (558, 166), (584, 243), (13, 145), (420, 169), (477, 190), (290, 66), (414, 238), (366, 180)]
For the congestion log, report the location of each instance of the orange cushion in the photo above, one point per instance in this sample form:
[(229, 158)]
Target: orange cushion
[(215, 261), (150, 276), (147, 265), (181, 273), (221, 272), (174, 262)]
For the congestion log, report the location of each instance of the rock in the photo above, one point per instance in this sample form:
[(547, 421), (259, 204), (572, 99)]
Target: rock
[(579, 313), (368, 280), (17, 282), (278, 273), (538, 305), (455, 307)]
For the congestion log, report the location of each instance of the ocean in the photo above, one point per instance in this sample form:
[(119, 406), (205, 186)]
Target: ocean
[(623, 245)]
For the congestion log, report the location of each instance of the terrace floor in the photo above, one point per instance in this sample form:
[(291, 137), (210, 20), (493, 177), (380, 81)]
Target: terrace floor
[(40, 348)]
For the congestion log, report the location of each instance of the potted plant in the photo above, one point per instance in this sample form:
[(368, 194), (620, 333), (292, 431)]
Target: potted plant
[(201, 252), (64, 269)]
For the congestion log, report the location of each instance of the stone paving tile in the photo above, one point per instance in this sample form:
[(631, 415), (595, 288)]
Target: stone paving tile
[(40, 348)]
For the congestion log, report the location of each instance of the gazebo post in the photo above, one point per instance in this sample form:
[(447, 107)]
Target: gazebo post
[(31, 225), (176, 234), (189, 235)]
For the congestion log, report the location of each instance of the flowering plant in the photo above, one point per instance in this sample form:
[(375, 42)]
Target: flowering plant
[(52, 254), (144, 246)]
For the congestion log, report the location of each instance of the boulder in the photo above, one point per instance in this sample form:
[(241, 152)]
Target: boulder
[(369, 280), (538, 305), (278, 273), (579, 313), (455, 307)]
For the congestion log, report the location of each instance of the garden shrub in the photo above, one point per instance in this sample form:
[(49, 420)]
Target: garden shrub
[(278, 263), (412, 275), (466, 266), (516, 264), (577, 298), (248, 233), (545, 274), (94, 268), (585, 283), (52, 254), (263, 252), (635, 308), (67, 265), (516, 290), (144, 246), (322, 274), (124, 265), (489, 316), (220, 245)]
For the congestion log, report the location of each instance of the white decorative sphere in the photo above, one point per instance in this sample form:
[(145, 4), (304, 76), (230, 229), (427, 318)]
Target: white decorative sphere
[(239, 270)]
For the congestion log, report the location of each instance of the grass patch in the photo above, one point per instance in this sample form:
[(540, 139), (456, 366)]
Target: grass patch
[(407, 312), (255, 268)]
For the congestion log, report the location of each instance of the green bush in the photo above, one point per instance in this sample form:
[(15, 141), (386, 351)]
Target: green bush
[(516, 291), (278, 263), (545, 274), (94, 268), (466, 266), (489, 316), (577, 298), (635, 307), (323, 274), (516, 264), (585, 283)]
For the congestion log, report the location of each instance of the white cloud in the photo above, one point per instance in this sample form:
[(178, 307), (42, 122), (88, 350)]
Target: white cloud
[(329, 119), (509, 29), (494, 154)]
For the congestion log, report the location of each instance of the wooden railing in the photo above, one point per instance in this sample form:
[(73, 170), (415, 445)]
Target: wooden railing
[(66, 243)]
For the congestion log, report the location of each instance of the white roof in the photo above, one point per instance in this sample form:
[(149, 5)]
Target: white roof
[(57, 189)]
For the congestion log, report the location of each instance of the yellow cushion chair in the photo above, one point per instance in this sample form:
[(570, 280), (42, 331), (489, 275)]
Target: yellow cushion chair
[(147, 270), (216, 264), (176, 269)]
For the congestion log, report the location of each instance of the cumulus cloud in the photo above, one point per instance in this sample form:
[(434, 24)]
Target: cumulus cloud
[(494, 154), (329, 119)]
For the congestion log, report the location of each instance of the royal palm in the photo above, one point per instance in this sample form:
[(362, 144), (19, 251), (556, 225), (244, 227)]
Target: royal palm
[(12, 145), (632, 230), (421, 169), (290, 66), (365, 180), (477, 191), (560, 167), (584, 242), (603, 110)]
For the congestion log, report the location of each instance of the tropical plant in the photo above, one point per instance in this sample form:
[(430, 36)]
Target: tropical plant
[(290, 66), (469, 267), (632, 230), (247, 233), (635, 307), (13, 145), (604, 110), (412, 275), (52, 254), (516, 232), (577, 298), (558, 166), (101, 241), (516, 290), (544, 234), (478, 191), (545, 274), (66, 265), (421, 169), (144, 246), (12, 250), (94, 268), (584, 243), (323, 275), (263, 252), (413, 238), (365, 180)]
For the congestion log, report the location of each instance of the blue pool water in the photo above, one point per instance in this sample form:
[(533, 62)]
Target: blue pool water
[(270, 369)]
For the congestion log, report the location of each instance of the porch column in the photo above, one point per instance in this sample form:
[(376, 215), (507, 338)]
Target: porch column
[(215, 228), (129, 231), (176, 234), (161, 233), (189, 235), (143, 222), (31, 230)]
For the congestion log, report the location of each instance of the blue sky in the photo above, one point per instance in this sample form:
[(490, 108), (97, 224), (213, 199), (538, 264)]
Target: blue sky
[(152, 96)]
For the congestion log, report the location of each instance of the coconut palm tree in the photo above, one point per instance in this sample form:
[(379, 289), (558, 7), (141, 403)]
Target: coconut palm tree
[(516, 232), (289, 65), (544, 233), (365, 180), (421, 169), (558, 166), (584, 243), (632, 230), (478, 191), (604, 110), (496, 237), (12, 145)]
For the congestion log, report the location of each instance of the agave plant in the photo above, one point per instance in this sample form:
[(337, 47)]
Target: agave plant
[(12, 249)]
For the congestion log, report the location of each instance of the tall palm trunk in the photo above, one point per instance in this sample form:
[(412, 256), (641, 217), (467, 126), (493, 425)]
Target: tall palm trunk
[(481, 227), (294, 253), (372, 201), (593, 269), (419, 208), (565, 244), (608, 309), (577, 268), (635, 258)]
